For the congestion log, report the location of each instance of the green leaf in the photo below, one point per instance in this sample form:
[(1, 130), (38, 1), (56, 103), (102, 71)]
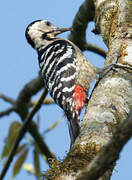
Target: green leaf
[(12, 134), (19, 162), (21, 148), (37, 164)]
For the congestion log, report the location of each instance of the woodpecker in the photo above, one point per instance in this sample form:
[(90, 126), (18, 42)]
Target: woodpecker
[(65, 70)]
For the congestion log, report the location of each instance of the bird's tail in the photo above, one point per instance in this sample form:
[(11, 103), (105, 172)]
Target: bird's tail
[(73, 124)]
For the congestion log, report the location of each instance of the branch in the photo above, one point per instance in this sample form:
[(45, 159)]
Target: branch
[(7, 112), (95, 49), (53, 126), (25, 95), (7, 99), (22, 132), (47, 101), (81, 20), (22, 106), (109, 153)]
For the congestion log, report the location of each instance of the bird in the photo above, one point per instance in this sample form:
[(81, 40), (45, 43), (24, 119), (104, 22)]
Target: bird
[(66, 72)]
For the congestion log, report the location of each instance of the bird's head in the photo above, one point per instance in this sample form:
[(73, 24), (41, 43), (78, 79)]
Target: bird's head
[(42, 32)]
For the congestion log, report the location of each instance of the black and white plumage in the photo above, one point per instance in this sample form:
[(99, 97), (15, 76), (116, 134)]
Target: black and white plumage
[(63, 66), (58, 66)]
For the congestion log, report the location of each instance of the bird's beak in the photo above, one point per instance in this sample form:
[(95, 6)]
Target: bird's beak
[(61, 30)]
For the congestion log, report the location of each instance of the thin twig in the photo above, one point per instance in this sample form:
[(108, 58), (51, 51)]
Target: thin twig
[(22, 132), (109, 153), (53, 126), (6, 112), (47, 101), (7, 99)]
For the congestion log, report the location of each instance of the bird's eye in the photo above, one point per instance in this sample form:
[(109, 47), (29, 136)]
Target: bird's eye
[(48, 23)]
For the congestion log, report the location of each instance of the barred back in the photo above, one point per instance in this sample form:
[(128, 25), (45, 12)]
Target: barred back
[(58, 66)]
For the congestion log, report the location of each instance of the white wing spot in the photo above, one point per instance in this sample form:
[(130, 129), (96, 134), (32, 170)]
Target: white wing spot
[(66, 89), (68, 78)]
